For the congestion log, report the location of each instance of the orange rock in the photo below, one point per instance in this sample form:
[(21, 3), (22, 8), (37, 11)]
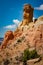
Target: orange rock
[(27, 14), (17, 33), (8, 36)]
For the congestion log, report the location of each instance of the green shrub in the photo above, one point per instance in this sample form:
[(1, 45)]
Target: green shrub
[(27, 55), (33, 54)]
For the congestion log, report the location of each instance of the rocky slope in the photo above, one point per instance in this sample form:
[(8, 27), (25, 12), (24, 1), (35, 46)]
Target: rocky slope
[(26, 36), (28, 39)]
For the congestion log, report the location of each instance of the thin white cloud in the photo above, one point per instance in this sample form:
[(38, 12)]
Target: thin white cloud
[(10, 26), (16, 22), (39, 8)]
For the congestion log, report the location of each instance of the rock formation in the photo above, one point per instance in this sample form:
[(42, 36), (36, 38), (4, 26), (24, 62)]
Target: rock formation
[(27, 18), (38, 37), (27, 15), (8, 36), (30, 36)]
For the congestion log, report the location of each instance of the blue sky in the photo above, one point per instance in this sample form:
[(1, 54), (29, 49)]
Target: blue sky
[(11, 13)]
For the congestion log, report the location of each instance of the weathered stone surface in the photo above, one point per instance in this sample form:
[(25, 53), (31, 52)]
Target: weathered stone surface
[(35, 35), (32, 61), (27, 15), (30, 36), (8, 36), (17, 33)]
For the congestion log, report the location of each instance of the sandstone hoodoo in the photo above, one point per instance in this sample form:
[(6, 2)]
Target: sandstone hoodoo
[(28, 35), (27, 14)]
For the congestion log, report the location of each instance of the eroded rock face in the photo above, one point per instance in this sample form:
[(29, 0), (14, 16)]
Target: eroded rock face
[(8, 36), (27, 18), (35, 35), (31, 38), (39, 39), (17, 33), (27, 14), (39, 35)]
